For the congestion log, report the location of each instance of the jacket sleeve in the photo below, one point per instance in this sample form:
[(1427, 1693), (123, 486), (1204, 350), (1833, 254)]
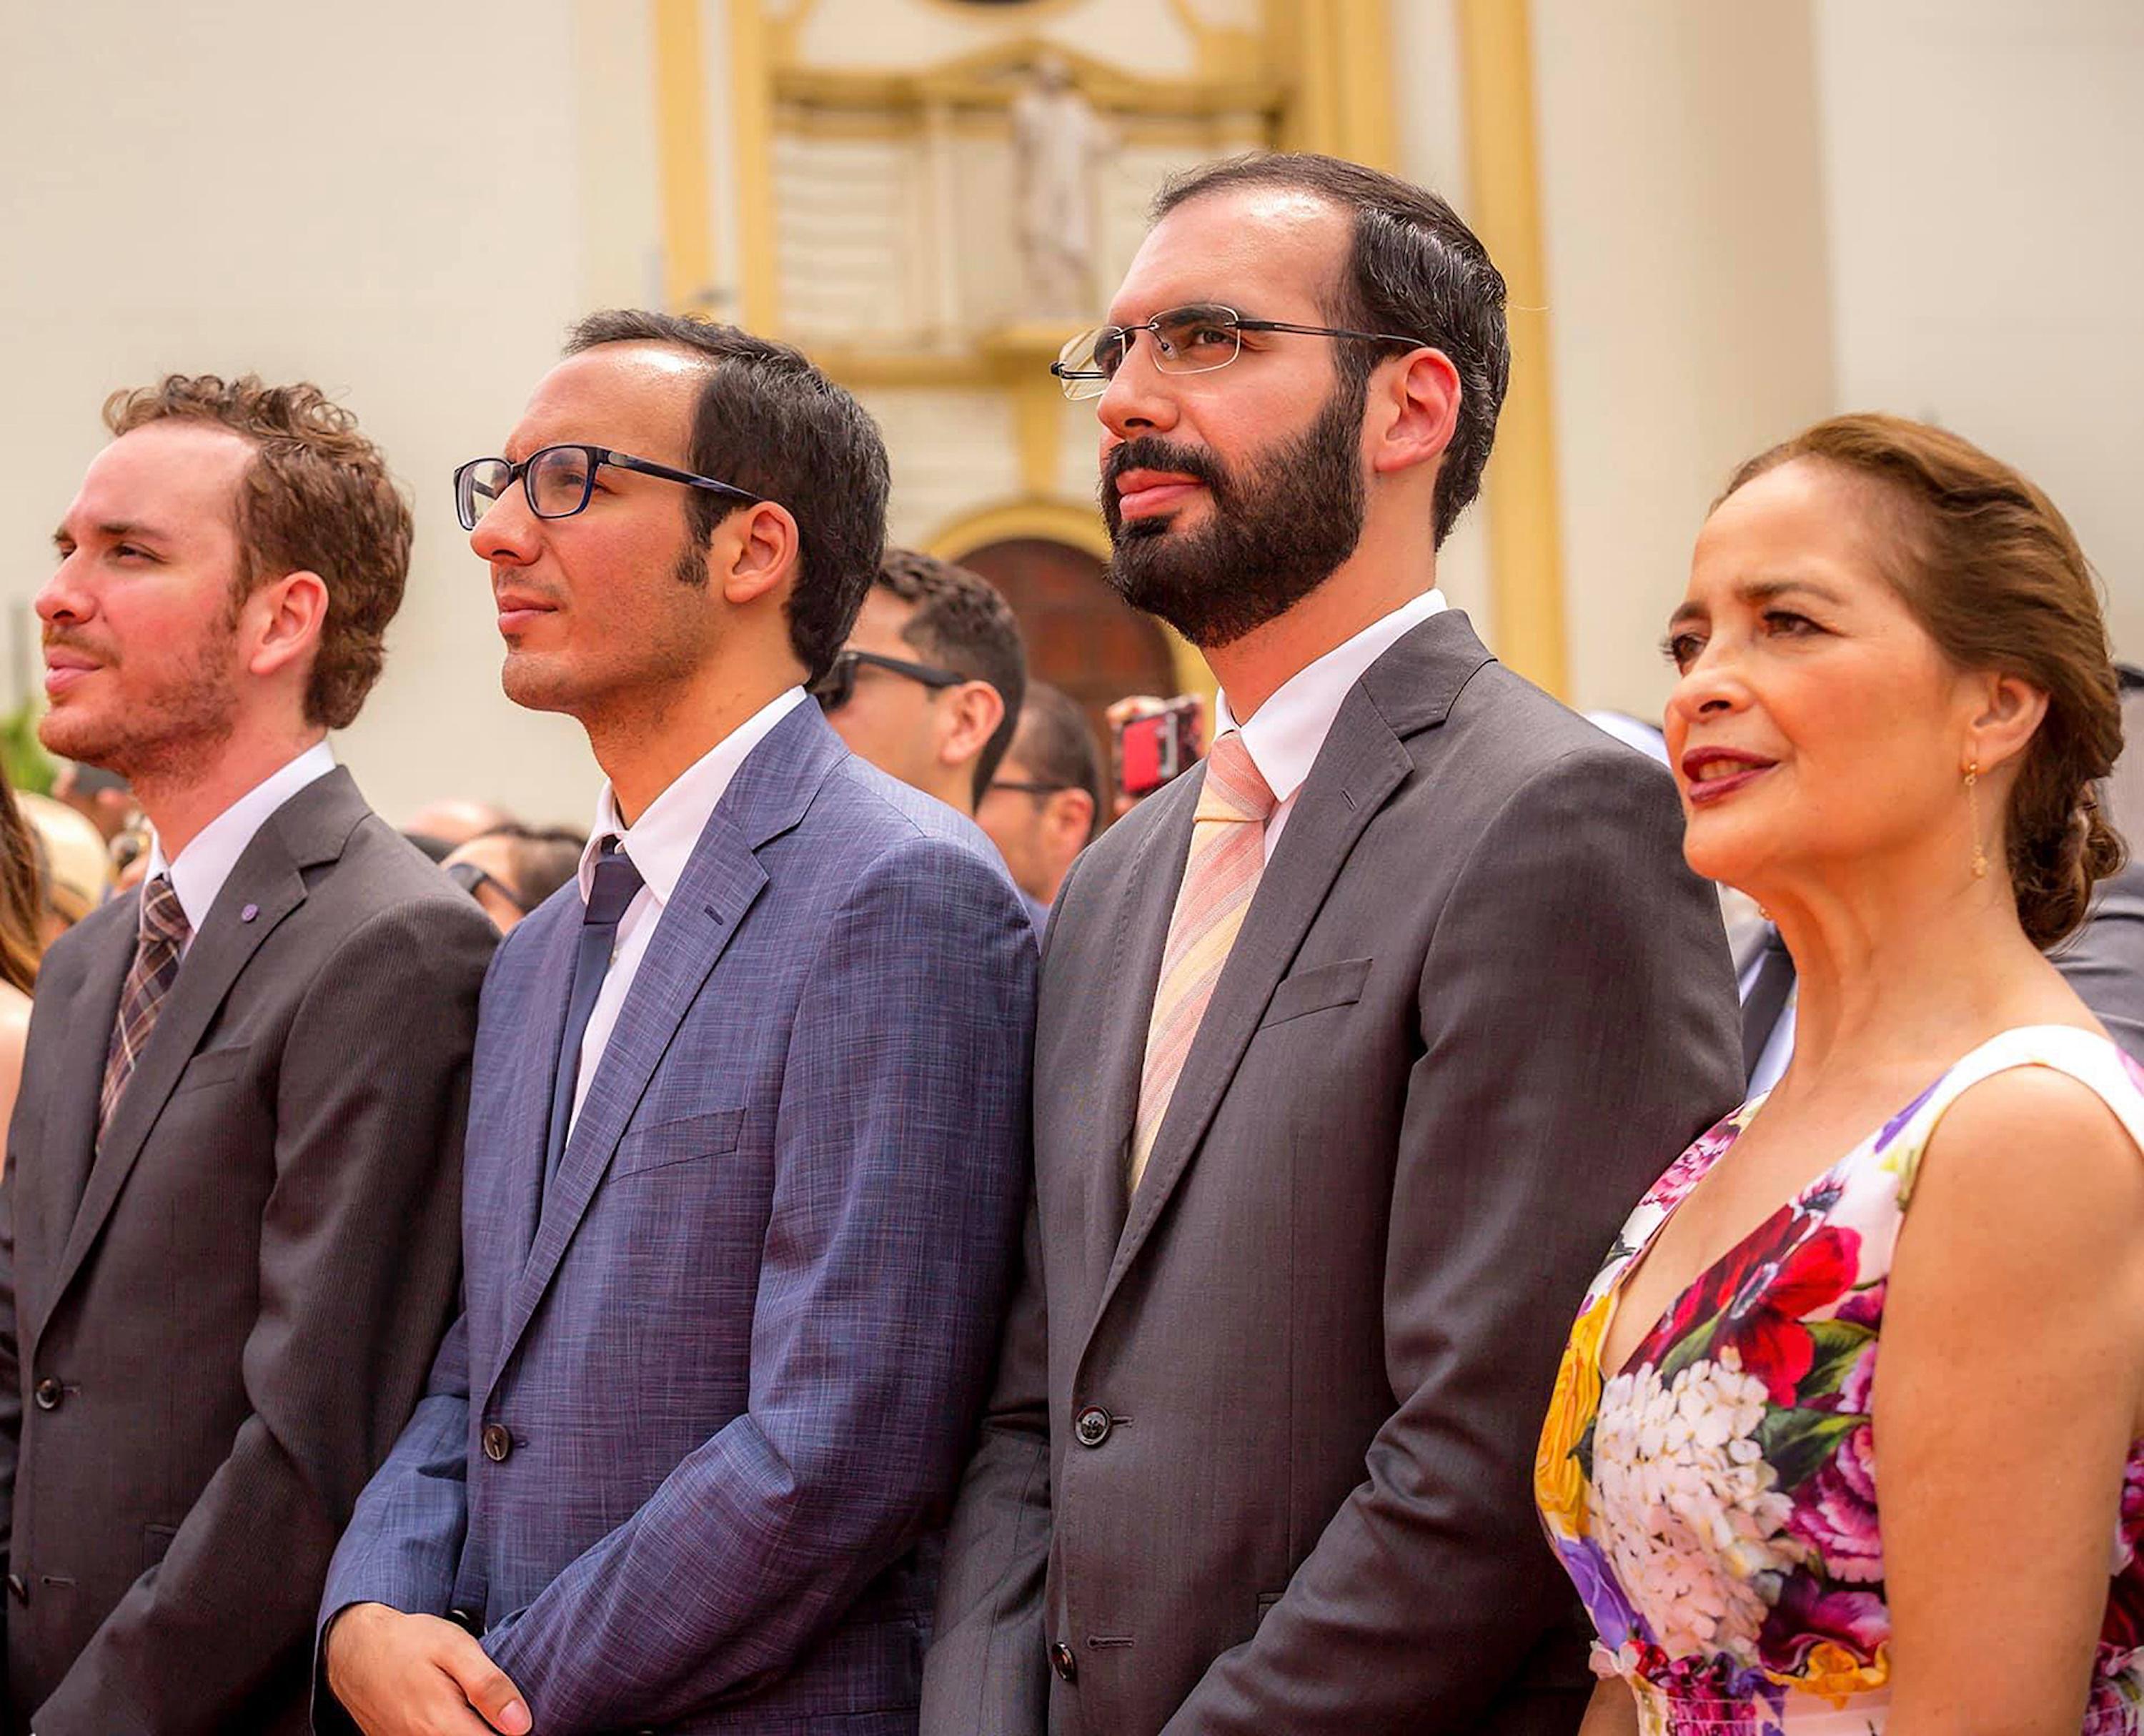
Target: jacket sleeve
[(900, 1168), (359, 1250), (405, 1540), (986, 1672), (2104, 962), (1578, 1027)]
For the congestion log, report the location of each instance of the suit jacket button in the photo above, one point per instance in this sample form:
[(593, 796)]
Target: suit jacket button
[(1064, 1662), (1092, 1426), (497, 1442), (17, 1589), (50, 1392)]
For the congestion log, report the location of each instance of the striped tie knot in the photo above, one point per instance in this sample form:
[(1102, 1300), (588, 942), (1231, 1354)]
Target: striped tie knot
[(1234, 790), (163, 917)]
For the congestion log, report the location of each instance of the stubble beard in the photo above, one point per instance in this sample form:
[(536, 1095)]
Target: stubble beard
[(168, 736), (1274, 535), (663, 654)]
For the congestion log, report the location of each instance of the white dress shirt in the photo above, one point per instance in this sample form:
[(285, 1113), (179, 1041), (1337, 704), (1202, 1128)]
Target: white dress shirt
[(659, 844), (206, 861), (1284, 736)]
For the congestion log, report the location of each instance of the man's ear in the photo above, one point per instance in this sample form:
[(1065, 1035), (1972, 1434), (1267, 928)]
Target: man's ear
[(281, 621), (1069, 814), (755, 550), (968, 717), (1417, 406)]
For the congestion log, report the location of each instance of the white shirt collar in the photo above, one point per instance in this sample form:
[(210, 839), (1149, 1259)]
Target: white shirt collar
[(1284, 737), (660, 842), (197, 876)]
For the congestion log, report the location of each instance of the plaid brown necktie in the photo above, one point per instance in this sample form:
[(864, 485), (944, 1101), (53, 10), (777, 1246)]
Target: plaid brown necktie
[(156, 968)]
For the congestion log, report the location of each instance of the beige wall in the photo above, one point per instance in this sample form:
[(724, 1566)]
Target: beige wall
[(1689, 297), (1983, 162), (387, 199)]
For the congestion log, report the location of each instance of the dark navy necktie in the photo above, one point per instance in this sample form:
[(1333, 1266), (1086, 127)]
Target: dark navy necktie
[(1768, 1000), (618, 882)]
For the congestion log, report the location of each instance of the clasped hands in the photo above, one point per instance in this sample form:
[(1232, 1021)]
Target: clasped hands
[(415, 1675)]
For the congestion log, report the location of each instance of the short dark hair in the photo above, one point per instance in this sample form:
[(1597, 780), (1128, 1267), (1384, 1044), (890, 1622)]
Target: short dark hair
[(1057, 745), (317, 498), (1415, 269), (961, 624), (770, 422)]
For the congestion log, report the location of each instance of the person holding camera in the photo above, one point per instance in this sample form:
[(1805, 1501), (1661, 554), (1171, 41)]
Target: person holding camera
[(1355, 1044)]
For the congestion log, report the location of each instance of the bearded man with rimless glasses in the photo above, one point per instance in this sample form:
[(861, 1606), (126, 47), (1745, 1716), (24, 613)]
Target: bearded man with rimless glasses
[(1354, 1047), (747, 1115)]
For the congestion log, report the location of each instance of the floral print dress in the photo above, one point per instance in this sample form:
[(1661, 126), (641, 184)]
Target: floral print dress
[(1715, 1502)]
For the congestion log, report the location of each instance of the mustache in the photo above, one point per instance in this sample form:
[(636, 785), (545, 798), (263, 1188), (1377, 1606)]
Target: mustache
[(1151, 452), (58, 638)]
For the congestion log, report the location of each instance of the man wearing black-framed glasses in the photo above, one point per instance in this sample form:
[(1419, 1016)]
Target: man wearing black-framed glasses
[(742, 1190), (1357, 1043), (928, 687)]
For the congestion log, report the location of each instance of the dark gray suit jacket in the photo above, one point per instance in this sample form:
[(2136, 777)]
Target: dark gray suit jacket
[(1259, 1458), (211, 1328)]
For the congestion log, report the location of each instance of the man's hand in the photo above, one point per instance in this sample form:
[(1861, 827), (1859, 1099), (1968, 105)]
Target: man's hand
[(415, 1675)]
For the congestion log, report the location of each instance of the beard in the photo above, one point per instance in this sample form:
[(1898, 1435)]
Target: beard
[(167, 727), (1279, 528)]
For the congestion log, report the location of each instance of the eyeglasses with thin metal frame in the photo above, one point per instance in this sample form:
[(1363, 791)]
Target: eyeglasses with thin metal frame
[(559, 481), (835, 688), (1026, 786), (1193, 340)]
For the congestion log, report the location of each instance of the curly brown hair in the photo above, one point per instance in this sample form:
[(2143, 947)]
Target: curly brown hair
[(1994, 575), (317, 498)]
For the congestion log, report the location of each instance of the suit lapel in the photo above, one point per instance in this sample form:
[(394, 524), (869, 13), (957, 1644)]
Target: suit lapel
[(269, 881), (64, 1155), (519, 1174), (770, 794), (1153, 875), (1363, 761)]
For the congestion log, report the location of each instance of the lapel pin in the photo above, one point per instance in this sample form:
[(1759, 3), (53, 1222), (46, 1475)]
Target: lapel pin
[(249, 913)]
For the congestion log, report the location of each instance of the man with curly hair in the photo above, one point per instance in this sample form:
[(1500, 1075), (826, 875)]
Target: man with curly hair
[(230, 1215)]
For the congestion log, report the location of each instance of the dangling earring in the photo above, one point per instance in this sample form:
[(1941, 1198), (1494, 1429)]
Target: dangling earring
[(1972, 808)]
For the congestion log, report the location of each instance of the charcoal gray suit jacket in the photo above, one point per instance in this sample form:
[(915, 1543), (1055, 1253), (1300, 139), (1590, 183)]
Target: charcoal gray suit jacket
[(212, 1326), (1259, 1454)]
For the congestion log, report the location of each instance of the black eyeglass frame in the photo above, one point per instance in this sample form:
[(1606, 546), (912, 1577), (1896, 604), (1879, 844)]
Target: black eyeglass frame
[(469, 877), (835, 688), (1026, 787), (1070, 377), (597, 457)]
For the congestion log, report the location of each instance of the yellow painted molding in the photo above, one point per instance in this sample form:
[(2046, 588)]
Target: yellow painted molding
[(1055, 520), (1038, 411), (752, 110), (680, 138), (1525, 525)]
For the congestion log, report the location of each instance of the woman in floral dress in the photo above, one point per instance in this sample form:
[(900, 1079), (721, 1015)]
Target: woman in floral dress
[(1817, 1461)]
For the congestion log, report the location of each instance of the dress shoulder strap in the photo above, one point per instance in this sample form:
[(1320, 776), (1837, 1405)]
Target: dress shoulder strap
[(2085, 1056)]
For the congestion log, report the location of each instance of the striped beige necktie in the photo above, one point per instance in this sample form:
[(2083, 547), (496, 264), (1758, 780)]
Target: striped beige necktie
[(1227, 853)]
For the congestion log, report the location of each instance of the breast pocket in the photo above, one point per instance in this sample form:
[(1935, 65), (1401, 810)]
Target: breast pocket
[(214, 1067), (1315, 989), (712, 1133)]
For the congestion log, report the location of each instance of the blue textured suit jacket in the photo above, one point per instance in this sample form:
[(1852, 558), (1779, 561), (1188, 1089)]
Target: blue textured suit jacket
[(709, 1396)]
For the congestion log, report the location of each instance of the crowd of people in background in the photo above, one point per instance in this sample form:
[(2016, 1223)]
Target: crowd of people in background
[(854, 1240)]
